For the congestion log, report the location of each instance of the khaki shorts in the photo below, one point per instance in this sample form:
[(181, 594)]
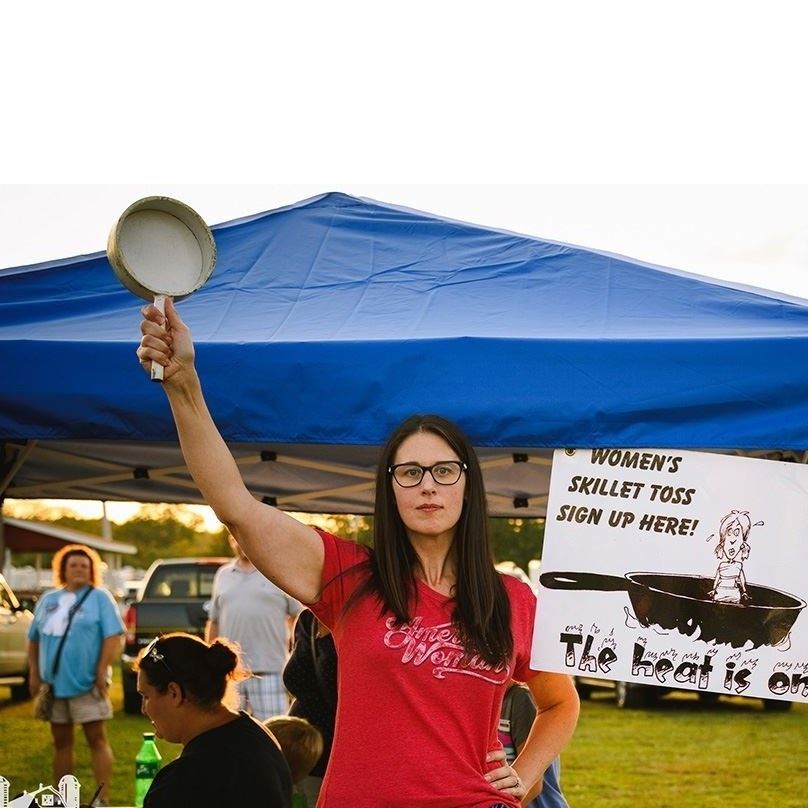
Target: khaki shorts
[(81, 709)]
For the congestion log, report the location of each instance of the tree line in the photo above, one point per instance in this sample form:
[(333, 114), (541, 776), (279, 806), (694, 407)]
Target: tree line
[(170, 531)]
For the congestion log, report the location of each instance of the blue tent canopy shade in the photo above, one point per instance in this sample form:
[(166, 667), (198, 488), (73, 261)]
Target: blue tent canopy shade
[(328, 321)]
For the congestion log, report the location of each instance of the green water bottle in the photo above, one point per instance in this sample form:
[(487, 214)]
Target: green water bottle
[(147, 764)]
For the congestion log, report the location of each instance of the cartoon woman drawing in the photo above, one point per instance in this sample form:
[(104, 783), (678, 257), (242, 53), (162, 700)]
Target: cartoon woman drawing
[(733, 548)]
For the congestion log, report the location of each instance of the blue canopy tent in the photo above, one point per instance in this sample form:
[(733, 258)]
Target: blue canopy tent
[(328, 321)]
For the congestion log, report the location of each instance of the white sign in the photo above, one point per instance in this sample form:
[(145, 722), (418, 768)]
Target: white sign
[(675, 568)]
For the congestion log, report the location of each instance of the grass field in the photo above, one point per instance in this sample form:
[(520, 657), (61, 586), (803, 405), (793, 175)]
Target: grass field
[(25, 748), (681, 753)]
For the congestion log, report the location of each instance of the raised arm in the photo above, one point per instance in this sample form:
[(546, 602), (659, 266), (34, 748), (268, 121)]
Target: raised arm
[(286, 551)]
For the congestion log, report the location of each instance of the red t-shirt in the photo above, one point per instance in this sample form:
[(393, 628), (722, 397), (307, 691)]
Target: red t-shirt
[(414, 723)]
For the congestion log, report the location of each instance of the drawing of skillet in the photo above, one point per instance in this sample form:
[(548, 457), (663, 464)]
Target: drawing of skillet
[(683, 602)]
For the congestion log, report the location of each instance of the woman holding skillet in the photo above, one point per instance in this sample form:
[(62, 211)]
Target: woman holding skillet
[(228, 758), (428, 634)]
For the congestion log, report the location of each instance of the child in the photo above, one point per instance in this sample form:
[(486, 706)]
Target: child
[(518, 712), (301, 744)]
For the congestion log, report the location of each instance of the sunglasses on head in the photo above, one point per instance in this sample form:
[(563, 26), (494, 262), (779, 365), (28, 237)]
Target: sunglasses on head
[(152, 652)]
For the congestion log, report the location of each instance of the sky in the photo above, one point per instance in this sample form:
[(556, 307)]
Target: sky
[(755, 235), (671, 134)]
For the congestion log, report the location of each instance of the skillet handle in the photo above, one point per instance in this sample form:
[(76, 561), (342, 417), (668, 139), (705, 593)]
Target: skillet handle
[(156, 368), (583, 580)]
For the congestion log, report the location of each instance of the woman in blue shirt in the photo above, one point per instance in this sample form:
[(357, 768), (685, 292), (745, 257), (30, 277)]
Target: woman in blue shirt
[(78, 623)]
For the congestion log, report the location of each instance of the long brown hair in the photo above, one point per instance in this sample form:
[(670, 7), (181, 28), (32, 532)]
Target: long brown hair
[(482, 615)]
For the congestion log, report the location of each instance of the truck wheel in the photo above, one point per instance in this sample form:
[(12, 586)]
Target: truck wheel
[(131, 702), (20, 692), (629, 697), (776, 706)]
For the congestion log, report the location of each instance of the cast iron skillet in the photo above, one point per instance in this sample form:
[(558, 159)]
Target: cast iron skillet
[(683, 602)]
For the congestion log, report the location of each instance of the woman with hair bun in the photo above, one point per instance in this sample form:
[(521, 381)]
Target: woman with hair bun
[(228, 758)]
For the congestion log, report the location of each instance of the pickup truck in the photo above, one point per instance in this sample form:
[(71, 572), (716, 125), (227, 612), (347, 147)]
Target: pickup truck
[(15, 619), (634, 695), (175, 596)]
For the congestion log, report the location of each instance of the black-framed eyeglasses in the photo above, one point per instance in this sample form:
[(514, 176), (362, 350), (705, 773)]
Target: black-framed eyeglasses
[(446, 472)]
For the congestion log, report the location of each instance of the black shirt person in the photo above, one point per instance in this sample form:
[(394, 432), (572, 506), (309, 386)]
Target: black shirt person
[(228, 758)]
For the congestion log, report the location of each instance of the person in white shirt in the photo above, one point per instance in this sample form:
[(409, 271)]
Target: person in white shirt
[(251, 611)]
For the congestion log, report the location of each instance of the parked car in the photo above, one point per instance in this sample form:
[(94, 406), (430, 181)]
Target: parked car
[(174, 596), (633, 695), (15, 619)]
